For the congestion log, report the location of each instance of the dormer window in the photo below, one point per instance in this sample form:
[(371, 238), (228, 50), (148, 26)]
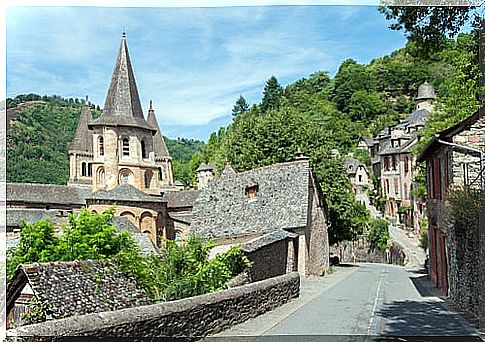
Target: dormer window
[(126, 147), (252, 191)]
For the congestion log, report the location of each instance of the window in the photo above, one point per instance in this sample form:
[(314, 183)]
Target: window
[(406, 165), (396, 186), (160, 173), (387, 187), (83, 169), (101, 146), (143, 150), (394, 163), (126, 147), (251, 191), (90, 170), (386, 163), (148, 178), (360, 178), (125, 177)]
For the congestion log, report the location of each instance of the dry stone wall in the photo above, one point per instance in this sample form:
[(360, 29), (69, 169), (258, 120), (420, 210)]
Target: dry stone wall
[(191, 317), (365, 253)]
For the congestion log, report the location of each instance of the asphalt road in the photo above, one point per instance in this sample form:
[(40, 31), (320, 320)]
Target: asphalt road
[(362, 299)]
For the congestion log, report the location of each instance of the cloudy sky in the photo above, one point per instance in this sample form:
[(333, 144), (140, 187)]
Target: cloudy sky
[(192, 62)]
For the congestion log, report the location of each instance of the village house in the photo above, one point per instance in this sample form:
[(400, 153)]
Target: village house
[(240, 207), (358, 175), (455, 158), (393, 162)]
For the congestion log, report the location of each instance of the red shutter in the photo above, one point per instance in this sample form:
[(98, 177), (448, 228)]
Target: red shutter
[(436, 179)]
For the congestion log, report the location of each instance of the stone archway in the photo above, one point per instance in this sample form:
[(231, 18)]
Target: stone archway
[(100, 176), (147, 224), (125, 176)]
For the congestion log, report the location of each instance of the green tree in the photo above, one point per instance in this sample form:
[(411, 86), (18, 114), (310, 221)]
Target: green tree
[(378, 233), (240, 107), (271, 95), (366, 106)]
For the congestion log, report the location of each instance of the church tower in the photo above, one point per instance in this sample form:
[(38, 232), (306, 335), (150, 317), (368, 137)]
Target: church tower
[(81, 151), (120, 146)]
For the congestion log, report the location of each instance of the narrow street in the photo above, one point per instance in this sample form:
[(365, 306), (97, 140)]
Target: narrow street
[(360, 299)]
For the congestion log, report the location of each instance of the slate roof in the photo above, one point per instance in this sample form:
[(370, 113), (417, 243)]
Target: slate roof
[(228, 171), (16, 215), (223, 209), (83, 138), (184, 218), (143, 240), (351, 165), (159, 146), (124, 192), (46, 193), (77, 287), (205, 167), (266, 240), (122, 106), (181, 199)]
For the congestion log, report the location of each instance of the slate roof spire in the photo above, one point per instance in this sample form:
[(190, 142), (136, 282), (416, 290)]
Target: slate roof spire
[(159, 146), (122, 106), (83, 138)]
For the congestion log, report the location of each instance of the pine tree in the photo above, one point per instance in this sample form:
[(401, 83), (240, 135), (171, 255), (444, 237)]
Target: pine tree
[(240, 107), (271, 95)]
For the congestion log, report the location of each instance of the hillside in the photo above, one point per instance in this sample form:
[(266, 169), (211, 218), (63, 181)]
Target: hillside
[(319, 114), (40, 129)]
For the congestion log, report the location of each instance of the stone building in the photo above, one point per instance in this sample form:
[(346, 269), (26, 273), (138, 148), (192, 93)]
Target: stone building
[(120, 146), (455, 158), (237, 208), (394, 163), (72, 288), (358, 175), (205, 174)]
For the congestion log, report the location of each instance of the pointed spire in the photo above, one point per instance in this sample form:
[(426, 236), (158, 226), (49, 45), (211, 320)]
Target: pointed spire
[(83, 138), (159, 146), (122, 106)]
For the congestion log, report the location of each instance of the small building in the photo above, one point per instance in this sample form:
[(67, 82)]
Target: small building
[(179, 207), (72, 288), (237, 208), (455, 158), (365, 144), (357, 174), (205, 174)]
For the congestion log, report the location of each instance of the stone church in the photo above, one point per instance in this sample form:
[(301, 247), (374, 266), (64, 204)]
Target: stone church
[(121, 159)]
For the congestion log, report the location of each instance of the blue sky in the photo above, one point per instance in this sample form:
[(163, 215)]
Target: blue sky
[(192, 62)]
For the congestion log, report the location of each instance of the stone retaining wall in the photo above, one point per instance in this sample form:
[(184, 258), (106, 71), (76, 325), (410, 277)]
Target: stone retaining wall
[(364, 253), (191, 317)]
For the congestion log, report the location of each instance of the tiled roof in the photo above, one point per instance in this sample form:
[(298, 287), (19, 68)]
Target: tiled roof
[(184, 218), (181, 199), (83, 138), (266, 239), (159, 146), (223, 209), (124, 192), (205, 167), (122, 106), (77, 287), (143, 240), (16, 215), (46, 193)]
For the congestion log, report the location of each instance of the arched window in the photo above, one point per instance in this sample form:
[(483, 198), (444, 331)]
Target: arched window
[(143, 150), (83, 169), (100, 176), (90, 170), (126, 147), (160, 173), (125, 177), (101, 146)]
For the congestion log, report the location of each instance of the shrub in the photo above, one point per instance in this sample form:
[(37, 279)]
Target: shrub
[(378, 233)]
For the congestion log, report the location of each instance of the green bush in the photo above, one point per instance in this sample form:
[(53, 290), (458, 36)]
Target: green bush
[(378, 233)]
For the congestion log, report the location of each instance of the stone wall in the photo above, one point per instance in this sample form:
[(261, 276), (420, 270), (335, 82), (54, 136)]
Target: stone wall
[(191, 317), (272, 255), (364, 253)]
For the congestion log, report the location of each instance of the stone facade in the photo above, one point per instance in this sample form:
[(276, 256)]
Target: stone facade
[(358, 175), (272, 255), (277, 197), (192, 317), (454, 245), (364, 252)]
